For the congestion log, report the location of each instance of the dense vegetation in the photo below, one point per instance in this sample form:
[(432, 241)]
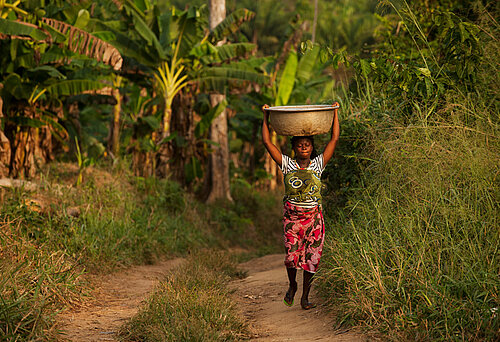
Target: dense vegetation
[(122, 90), (413, 248)]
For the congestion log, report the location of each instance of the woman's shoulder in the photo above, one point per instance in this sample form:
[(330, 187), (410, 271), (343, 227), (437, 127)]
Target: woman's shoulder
[(317, 163)]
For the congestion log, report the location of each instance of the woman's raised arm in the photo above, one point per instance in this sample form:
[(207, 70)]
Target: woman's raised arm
[(330, 147), (266, 138)]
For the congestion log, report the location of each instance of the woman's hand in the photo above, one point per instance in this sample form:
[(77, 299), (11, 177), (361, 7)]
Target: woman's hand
[(266, 113), (335, 104), (266, 138), (330, 147)]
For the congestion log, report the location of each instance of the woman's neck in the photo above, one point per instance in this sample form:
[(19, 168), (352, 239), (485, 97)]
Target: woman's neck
[(303, 163)]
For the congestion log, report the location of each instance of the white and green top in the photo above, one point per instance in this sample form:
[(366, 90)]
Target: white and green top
[(302, 185)]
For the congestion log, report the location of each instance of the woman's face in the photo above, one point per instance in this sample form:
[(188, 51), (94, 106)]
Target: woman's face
[(303, 148)]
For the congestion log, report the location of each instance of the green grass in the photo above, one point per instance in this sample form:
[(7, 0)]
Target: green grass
[(191, 304), (413, 246), (35, 281)]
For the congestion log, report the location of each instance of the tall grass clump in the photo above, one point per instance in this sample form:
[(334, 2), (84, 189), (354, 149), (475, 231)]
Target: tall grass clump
[(118, 223), (35, 282), (418, 252), (191, 304), (413, 250)]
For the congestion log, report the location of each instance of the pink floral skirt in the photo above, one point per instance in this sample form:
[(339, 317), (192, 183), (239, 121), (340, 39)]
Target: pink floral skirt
[(304, 233)]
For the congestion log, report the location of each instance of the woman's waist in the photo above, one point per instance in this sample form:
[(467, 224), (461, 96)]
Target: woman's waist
[(302, 208)]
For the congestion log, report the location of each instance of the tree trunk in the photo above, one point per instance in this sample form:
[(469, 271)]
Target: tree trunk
[(163, 157), (114, 139), (4, 147), (183, 123), (315, 21), (24, 146), (219, 159)]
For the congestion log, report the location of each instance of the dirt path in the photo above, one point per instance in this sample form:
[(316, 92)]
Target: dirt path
[(260, 299), (117, 299)]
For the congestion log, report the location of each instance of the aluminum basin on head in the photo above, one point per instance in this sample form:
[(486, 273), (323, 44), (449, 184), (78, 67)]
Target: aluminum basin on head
[(301, 120)]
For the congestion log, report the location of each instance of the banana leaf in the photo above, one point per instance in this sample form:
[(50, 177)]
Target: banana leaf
[(74, 87), (131, 48), (57, 37), (142, 28), (230, 24), (84, 43), (307, 63), (287, 80), (164, 21), (218, 78), (51, 71), (205, 49), (230, 51), (17, 28), (21, 121), (13, 85)]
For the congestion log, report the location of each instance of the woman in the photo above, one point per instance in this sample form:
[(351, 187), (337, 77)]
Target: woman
[(304, 228)]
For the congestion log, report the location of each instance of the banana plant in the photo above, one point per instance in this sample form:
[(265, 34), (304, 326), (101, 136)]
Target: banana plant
[(180, 55), (43, 61), (170, 80)]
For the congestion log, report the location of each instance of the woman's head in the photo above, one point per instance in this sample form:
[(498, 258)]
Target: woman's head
[(303, 146)]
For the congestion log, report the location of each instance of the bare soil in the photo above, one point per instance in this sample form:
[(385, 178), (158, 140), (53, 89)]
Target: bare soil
[(260, 300)]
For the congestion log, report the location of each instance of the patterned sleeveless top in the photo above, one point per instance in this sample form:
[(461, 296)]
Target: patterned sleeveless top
[(302, 185)]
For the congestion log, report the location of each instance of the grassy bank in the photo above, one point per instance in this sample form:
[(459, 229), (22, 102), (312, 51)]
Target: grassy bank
[(414, 252), (414, 238), (52, 236)]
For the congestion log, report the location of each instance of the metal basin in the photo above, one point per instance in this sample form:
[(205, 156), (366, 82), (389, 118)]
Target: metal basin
[(301, 120)]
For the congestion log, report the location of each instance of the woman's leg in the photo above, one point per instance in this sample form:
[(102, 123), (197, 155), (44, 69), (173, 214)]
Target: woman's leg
[(292, 288), (304, 301)]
